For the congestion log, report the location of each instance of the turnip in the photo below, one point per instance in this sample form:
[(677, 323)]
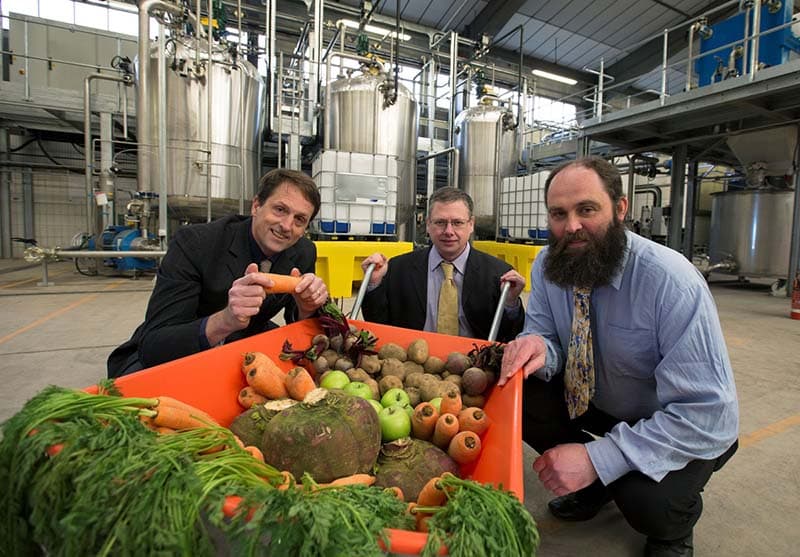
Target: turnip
[(409, 463)]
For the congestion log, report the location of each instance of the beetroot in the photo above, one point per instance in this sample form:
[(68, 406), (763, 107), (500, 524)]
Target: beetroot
[(409, 463), (329, 435)]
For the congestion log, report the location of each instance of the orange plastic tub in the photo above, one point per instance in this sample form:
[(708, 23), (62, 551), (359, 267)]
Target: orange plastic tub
[(211, 380)]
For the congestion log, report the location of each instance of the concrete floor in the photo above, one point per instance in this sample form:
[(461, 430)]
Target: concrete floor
[(61, 334)]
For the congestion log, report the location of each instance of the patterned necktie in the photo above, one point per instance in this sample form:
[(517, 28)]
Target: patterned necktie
[(265, 266), (579, 373), (447, 321)]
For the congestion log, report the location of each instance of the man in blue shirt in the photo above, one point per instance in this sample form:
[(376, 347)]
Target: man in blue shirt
[(654, 385)]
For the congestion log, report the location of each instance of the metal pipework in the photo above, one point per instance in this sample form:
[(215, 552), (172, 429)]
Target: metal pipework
[(454, 151), (87, 144), (35, 254)]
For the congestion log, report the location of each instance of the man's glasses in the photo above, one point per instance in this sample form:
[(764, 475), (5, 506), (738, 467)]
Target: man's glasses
[(457, 224)]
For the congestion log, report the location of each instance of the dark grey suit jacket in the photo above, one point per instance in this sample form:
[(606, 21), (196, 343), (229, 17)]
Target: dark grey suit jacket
[(402, 297), (193, 282)]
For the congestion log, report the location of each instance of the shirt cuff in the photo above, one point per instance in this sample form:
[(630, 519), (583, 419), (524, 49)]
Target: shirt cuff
[(608, 461), (202, 338), (514, 310)]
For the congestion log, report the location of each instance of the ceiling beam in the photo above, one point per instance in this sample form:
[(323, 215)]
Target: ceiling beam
[(493, 18)]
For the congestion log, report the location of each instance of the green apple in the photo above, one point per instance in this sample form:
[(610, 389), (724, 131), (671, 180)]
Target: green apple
[(334, 379), (437, 403), (395, 395), (358, 388), (395, 423), (376, 405)]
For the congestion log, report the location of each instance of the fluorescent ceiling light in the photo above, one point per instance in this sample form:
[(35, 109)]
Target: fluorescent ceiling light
[(555, 77), (374, 29)]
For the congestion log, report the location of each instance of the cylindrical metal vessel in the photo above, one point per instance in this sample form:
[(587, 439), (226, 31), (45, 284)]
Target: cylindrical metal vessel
[(359, 122), (236, 127), (486, 139), (753, 229)]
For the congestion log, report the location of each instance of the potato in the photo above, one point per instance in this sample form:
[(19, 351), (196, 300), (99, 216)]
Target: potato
[(393, 366), (371, 364), (376, 390), (454, 379), (389, 382), (392, 350), (343, 364), (433, 365), (320, 365), (413, 379), (412, 367), (418, 351), (331, 355), (414, 396), (358, 374), (431, 389), (473, 400)]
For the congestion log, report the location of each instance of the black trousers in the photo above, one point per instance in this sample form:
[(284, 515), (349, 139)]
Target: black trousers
[(665, 510)]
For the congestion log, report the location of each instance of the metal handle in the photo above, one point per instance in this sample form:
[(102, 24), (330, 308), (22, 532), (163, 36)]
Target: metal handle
[(498, 313), (362, 291)]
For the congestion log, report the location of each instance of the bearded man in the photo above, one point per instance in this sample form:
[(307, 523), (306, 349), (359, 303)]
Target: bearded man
[(629, 393)]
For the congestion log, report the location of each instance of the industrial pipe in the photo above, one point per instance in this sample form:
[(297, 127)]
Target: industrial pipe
[(87, 144), (455, 153)]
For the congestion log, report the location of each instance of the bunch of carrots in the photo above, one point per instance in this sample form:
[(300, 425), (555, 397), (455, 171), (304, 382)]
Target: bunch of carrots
[(266, 381), (453, 428)]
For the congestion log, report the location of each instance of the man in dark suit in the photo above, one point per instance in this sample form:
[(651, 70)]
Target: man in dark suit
[(405, 290), (208, 289)]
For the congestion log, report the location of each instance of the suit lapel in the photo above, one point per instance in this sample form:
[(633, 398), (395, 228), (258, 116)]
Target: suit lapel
[(419, 279), (471, 269), (239, 249)]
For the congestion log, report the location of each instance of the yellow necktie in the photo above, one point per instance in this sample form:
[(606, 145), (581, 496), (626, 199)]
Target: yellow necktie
[(447, 321), (579, 372)]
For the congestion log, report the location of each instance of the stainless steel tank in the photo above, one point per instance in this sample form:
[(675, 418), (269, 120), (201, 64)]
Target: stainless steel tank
[(487, 142), (752, 228), (236, 127), (359, 121)]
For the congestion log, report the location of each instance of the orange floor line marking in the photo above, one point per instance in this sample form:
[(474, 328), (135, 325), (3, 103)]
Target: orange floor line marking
[(58, 312), (769, 431)]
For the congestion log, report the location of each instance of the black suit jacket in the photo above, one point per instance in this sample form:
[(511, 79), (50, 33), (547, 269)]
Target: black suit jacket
[(193, 282), (402, 297)]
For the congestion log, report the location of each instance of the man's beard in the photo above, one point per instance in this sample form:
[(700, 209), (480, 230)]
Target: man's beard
[(593, 265)]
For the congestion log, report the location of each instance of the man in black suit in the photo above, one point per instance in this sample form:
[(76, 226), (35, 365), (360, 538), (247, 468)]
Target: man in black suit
[(404, 291), (208, 289)]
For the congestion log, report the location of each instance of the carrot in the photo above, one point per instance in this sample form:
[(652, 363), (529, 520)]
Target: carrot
[(299, 383), (248, 397), (176, 418), (464, 447), (446, 427), (287, 480), (264, 375), (353, 479), (232, 506), (255, 451), (163, 430), (282, 284), (396, 491), (53, 450), (473, 419), (451, 402), (423, 421), (194, 411), (421, 521), (432, 494)]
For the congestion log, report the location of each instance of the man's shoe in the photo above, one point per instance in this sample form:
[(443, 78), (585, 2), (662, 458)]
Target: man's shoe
[(580, 505), (675, 548)]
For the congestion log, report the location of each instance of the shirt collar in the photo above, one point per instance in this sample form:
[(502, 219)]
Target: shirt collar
[(460, 262)]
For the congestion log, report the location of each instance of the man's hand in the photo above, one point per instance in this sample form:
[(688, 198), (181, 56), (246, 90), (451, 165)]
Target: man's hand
[(381, 266), (517, 286), (244, 301), (526, 352), (565, 468), (310, 294)]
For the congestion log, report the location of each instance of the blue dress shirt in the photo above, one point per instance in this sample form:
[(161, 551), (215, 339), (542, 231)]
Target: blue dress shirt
[(660, 360)]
